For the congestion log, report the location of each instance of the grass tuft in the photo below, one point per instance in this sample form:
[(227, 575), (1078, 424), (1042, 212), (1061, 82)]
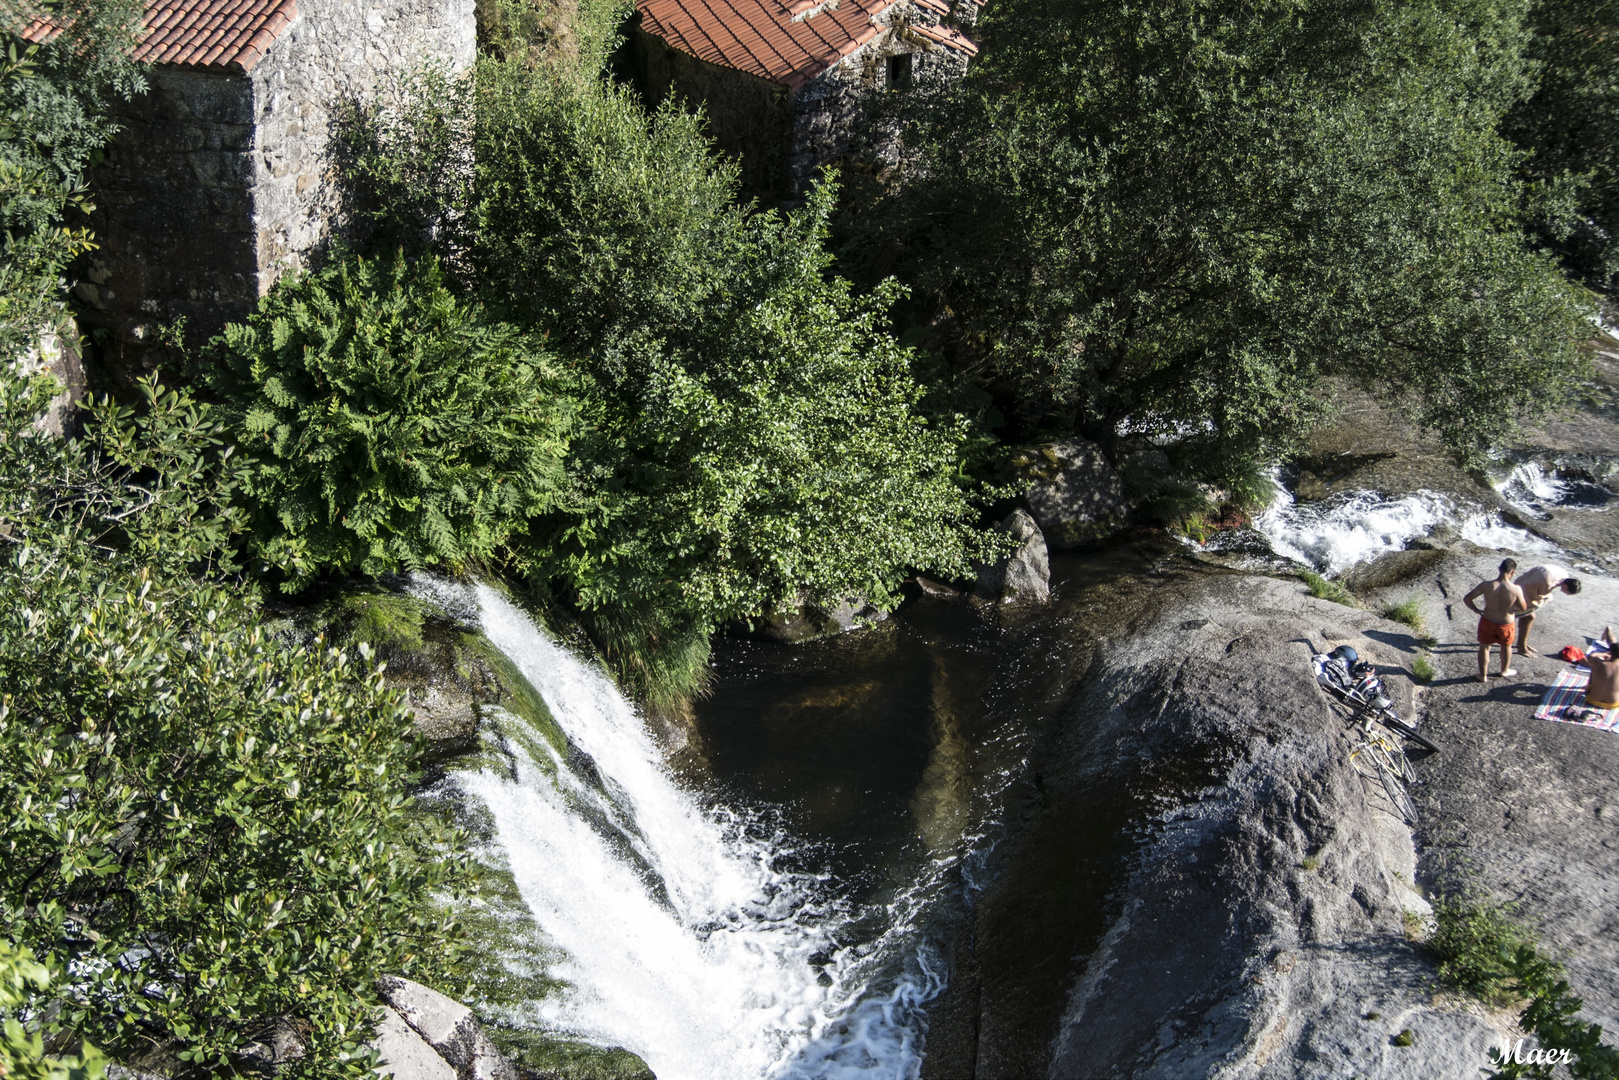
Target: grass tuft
[(1423, 670), (1407, 611), (1311, 862), (1326, 589), (1404, 1038)]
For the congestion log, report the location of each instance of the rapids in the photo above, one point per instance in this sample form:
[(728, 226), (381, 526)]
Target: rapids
[(692, 932)]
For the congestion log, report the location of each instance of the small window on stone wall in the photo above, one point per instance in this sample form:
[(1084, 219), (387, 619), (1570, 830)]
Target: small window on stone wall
[(899, 72)]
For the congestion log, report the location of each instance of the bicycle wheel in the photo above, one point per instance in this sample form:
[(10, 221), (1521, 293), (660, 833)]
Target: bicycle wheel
[(1398, 763), (1399, 727), (1397, 794)]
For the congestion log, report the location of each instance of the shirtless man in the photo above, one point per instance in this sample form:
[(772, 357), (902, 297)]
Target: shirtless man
[(1497, 619), (1602, 692), (1539, 584)]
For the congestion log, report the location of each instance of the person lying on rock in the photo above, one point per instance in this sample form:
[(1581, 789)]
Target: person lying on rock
[(1497, 618), (1602, 692), (1539, 583)]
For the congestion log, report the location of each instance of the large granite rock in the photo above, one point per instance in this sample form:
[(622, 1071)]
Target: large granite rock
[(1074, 494), (1025, 574), (1195, 880), (424, 1034)]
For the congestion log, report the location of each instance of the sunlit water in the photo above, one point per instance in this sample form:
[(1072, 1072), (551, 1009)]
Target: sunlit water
[(681, 935), (1339, 532)]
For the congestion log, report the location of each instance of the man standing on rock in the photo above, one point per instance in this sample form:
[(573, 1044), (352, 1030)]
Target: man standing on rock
[(1497, 619), (1538, 584)]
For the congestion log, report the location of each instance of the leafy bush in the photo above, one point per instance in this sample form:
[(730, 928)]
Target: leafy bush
[(1485, 950), (53, 123), (1473, 939), (22, 1053), (1551, 1015), (206, 828), (749, 429), (390, 426), (1323, 588)]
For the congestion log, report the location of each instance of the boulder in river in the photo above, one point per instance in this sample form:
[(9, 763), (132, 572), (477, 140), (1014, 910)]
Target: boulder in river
[(806, 620), (1025, 574), (1074, 494)]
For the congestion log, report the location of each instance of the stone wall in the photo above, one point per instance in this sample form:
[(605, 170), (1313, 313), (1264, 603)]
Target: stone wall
[(222, 181), (335, 49), (174, 216)]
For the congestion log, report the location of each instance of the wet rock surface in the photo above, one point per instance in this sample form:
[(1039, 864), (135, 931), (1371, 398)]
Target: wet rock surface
[(1025, 574), (1195, 879)]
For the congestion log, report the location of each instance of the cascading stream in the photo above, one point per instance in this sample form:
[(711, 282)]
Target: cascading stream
[(678, 934)]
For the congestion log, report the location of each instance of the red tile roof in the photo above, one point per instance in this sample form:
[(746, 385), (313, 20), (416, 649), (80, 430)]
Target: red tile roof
[(770, 38), (201, 33)]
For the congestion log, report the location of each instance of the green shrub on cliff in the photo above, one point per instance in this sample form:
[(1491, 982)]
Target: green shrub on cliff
[(749, 428), (207, 829), (390, 426)]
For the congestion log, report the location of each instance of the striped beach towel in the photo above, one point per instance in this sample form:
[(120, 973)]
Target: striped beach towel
[(1565, 702)]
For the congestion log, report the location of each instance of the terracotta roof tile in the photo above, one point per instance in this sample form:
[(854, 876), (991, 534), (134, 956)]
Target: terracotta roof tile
[(772, 38), (947, 36), (202, 33)]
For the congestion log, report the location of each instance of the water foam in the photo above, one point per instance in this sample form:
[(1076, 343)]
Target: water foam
[(680, 937), (1336, 533)]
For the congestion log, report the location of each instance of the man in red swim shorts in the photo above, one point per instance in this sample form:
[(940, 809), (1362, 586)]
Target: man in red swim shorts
[(1497, 618)]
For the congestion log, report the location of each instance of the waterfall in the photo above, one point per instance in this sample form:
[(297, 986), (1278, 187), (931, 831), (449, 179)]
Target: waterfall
[(677, 930)]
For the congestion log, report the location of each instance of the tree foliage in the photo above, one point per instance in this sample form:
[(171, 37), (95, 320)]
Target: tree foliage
[(22, 1052), (1570, 129), (206, 828), (748, 430), (1172, 220), (391, 426), (54, 119)]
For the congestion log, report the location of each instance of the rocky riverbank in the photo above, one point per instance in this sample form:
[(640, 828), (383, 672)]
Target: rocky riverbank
[(1196, 880)]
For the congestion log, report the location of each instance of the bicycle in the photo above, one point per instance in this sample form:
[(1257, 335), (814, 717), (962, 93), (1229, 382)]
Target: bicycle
[(1355, 683), (1393, 767)]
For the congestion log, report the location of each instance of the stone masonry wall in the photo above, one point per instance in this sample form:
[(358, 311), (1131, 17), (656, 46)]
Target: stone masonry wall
[(826, 109), (221, 181), (174, 213), (335, 49)]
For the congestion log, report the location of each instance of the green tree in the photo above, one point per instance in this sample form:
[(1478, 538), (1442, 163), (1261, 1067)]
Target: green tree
[(391, 426), (1176, 219), (749, 427), (210, 830), (54, 120), (1570, 128)]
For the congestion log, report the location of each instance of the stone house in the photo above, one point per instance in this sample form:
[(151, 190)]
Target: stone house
[(221, 180), (782, 81)]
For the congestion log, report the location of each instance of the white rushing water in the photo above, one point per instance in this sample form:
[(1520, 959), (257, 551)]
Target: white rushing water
[(677, 934), (1336, 533)]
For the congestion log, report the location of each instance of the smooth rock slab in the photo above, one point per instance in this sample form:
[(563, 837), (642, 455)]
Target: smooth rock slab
[(405, 1056)]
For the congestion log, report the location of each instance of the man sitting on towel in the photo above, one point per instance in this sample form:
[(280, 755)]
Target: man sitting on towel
[(1602, 692)]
